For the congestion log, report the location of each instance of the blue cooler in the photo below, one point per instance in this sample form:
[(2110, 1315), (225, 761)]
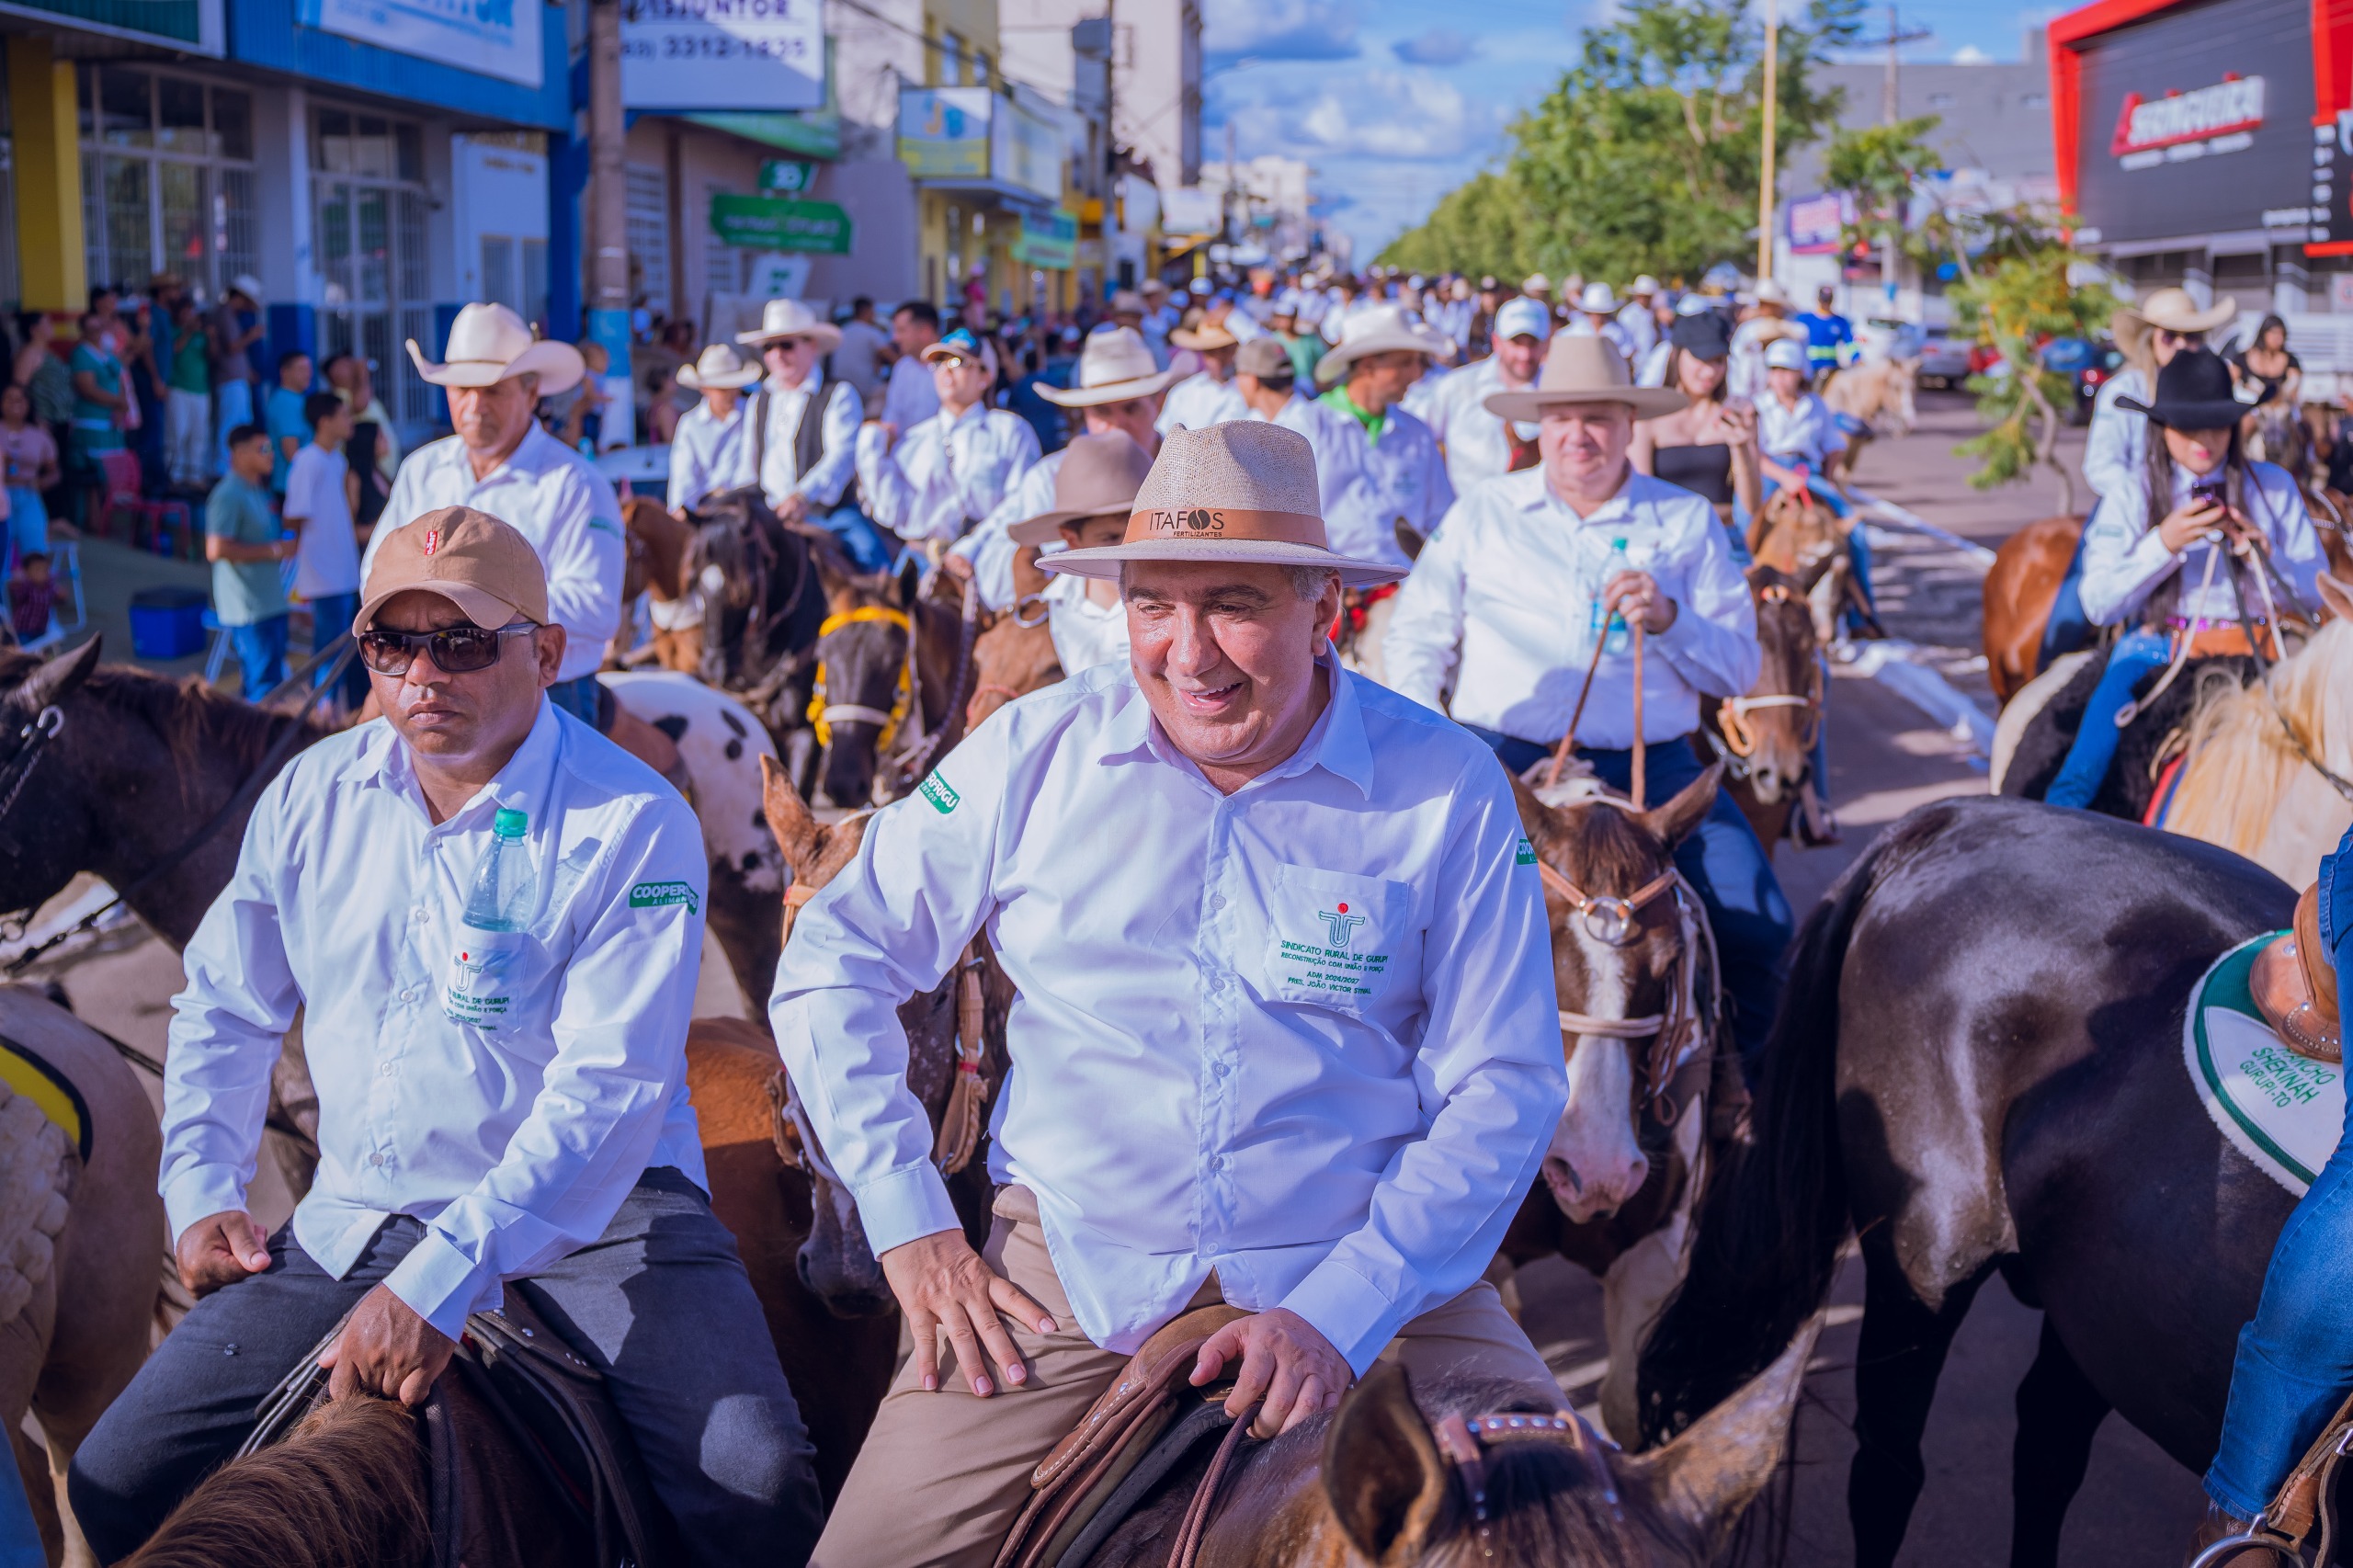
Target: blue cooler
[(167, 623)]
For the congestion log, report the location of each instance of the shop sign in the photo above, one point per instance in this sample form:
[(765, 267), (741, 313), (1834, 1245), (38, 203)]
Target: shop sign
[(1025, 150), (2220, 119), (1189, 209), (723, 54), (779, 224), (191, 25), (944, 131), (786, 176), (494, 38), (1815, 223), (1048, 240)]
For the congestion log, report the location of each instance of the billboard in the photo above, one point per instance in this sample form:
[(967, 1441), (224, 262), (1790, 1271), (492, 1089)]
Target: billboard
[(779, 224), (495, 38), (944, 131), (723, 54)]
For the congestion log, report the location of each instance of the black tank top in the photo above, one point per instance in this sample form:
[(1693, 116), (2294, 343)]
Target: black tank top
[(1706, 471)]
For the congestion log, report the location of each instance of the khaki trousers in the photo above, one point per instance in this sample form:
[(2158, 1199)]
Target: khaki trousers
[(943, 1473)]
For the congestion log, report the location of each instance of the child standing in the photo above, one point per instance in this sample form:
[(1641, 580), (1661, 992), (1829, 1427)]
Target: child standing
[(242, 541), (321, 494), (30, 457)]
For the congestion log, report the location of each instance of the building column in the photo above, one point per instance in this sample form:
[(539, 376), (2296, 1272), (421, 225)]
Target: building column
[(51, 259)]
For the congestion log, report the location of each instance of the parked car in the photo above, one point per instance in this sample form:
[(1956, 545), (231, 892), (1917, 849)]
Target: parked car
[(1944, 359), (2086, 362)]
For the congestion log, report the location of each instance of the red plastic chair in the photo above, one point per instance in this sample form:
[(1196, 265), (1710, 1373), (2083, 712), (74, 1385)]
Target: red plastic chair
[(152, 522)]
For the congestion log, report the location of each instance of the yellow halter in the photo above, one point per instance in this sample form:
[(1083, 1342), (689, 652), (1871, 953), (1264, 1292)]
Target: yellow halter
[(823, 715)]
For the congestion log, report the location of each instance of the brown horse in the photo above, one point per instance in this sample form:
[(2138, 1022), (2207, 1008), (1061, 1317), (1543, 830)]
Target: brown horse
[(2020, 588), (1766, 739), (1016, 656), (1878, 395), (1798, 535), (657, 567)]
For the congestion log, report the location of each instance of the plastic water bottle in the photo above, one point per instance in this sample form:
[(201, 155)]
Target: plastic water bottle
[(498, 911), (1615, 637)]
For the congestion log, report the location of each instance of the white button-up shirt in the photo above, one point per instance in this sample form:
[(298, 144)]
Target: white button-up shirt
[(780, 472), (2116, 447), (1368, 486), (555, 498), (1085, 634), (991, 549), (706, 454), (1199, 401), (1744, 377), (1501, 608), (1302, 1035), (2125, 561), (1641, 327), (1806, 434), (515, 1144), (941, 478), (912, 397), (1478, 445)]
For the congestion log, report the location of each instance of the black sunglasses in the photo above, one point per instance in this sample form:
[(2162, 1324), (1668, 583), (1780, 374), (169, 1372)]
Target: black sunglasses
[(456, 650)]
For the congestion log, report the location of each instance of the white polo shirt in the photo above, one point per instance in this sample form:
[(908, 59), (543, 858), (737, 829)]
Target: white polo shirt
[(514, 1145), (941, 478), (1307, 1028)]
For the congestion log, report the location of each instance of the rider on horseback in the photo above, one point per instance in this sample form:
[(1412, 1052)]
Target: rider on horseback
[(2166, 547), (1286, 1032)]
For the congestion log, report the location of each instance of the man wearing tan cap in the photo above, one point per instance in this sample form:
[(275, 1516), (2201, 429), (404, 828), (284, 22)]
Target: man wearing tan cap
[(1207, 396), (1530, 570), (1281, 951), (502, 1091)]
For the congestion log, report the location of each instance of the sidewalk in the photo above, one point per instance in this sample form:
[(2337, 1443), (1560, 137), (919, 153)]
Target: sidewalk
[(112, 571)]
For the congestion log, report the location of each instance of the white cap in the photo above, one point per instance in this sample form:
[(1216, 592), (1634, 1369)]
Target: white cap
[(1523, 317), (1785, 353), (1597, 299), (1694, 305)]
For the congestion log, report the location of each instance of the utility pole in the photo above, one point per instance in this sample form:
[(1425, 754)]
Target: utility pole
[(1764, 173), (607, 248), (1895, 38)]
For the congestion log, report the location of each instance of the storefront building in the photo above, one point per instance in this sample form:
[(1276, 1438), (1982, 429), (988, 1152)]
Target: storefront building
[(2201, 144)]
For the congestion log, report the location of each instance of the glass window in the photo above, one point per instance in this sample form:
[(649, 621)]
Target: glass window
[(331, 148), (125, 116), (410, 150), (158, 193), (179, 116), (130, 242), (233, 124), (181, 187)]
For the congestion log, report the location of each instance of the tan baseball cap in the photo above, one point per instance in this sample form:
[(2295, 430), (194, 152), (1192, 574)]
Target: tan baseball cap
[(474, 560)]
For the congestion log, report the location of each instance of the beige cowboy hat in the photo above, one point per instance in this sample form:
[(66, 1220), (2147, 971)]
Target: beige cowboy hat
[(1127, 302), (1384, 329), (489, 344), (1205, 339), (1098, 478), (2174, 310), (1114, 367), (1535, 283), (1584, 370), (1244, 492), (246, 283), (718, 368), (1770, 292), (780, 319)]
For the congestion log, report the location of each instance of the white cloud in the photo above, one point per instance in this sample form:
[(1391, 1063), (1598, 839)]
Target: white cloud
[(1969, 54), (1440, 46), (1407, 116), (1280, 29)]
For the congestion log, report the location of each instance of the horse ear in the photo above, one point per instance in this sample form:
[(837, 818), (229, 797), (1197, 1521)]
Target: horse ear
[(796, 831), (1410, 539), (54, 680), (1706, 1477), (1028, 577), (1674, 822), (1820, 569), (2337, 596), (909, 581), (1384, 1476)]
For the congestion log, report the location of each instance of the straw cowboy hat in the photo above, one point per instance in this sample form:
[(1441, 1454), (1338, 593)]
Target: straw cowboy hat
[(1114, 367), (780, 319), (718, 369), (1383, 329), (2174, 311), (1244, 492), (1770, 292), (1100, 477), (1206, 339), (489, 344), (1584, 370)]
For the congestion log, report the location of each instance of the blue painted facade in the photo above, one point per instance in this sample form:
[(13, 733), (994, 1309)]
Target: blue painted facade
[(265, 33)]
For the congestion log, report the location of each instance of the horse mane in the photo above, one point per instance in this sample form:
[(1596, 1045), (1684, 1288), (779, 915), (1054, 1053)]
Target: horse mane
[(2241, 760), (346, 1487), (195, 721), (1607, 846)]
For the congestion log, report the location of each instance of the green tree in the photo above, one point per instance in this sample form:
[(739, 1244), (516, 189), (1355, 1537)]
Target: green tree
[(1879, 165), (2018, 304), (1484, 225)]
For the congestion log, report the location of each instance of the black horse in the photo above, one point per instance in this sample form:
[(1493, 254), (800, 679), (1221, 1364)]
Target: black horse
[(2141, 751), (1977, 1066)]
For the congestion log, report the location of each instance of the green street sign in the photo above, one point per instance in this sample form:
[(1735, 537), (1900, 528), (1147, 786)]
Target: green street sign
[(777, 222), (786, 176)]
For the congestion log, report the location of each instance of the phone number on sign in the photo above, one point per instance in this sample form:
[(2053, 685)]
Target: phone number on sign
[(716, 46)]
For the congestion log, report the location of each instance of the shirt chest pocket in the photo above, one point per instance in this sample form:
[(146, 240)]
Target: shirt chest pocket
[(497, 982), (1335, 940)]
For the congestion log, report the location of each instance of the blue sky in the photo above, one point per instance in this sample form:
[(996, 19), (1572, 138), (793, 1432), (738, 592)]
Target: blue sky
[(1395, 102)]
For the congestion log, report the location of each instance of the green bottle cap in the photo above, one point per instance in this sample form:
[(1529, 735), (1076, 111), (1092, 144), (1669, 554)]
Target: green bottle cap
[(510, 823)]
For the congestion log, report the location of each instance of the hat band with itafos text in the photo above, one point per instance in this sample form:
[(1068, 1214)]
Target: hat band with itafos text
[(1226, 523)]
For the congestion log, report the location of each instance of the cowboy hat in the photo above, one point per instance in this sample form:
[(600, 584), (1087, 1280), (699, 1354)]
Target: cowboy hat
[(1244, 491), (1597, 300), (489, 344), (1205, 339), (1383, 329), (1584, 370), (780, 319), (1098, 478), (1535, 283), (1113, 366), (1128, 303), (2194, 392), (246, 283), (1644, 285), (2174, 311), (718, 369), (1770, 292)]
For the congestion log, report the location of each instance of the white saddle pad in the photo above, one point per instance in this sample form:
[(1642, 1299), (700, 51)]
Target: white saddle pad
[(2283, 1111)]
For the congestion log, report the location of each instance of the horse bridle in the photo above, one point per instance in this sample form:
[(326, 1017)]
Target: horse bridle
[(824, 715)]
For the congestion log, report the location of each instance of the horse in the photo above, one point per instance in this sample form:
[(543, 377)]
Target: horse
[(1016, 656), (1382, 1479), (864, 702), (948, 620), (1766, 738), (1798, 535), (656, 568), (970, 1004), (1875, 394), (763, 586), (2020, 588), (81, 1228), (1977, 1066)]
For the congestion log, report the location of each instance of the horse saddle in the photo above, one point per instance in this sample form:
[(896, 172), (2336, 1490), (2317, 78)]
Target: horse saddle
[(2294, 986), (1142, 1427), (2311, 1517), (516, 1408)]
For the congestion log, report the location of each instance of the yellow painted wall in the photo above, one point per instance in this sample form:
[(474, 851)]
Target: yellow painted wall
[(50, 257)]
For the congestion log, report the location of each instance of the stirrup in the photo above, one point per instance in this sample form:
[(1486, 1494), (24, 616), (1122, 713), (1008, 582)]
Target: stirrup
[(2255, 1537)]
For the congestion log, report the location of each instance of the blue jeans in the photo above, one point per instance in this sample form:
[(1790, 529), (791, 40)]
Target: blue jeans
[(2295, 1359), (1747, 909), (869, 548), (2066, 628), (331, 617), (660, 1304), (261, 656), (2136, 653)]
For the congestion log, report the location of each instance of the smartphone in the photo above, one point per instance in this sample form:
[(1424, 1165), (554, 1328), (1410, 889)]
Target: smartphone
[(2208, 493)]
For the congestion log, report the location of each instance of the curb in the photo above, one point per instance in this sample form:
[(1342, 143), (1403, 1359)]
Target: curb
[(1896, 664)]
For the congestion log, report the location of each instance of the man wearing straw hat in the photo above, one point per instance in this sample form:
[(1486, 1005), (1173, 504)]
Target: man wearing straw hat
[(1384, 470), (955, 467), (1207, 396), (707, 452), (1095, 489), (802, 434), (1762, 327), (1638, 318), (1281, 949), (1539, 576)]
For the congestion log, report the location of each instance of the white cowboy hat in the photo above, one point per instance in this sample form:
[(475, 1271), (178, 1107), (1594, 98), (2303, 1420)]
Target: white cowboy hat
[(246, 283), (718, 368), (1597, 300), (1114, 367), (1644, 285), (1241, 491), (1383, 329), (1204, 339), (1535, 283), (1770, 292), (489, 344), (1583, 370), (780, 319)]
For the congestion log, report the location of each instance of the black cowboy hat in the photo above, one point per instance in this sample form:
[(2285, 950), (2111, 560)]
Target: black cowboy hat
[(2193, 393), (1704, 336)]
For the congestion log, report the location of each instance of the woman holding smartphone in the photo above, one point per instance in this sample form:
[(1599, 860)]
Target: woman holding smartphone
[(1710, 447), (2151, 555)]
